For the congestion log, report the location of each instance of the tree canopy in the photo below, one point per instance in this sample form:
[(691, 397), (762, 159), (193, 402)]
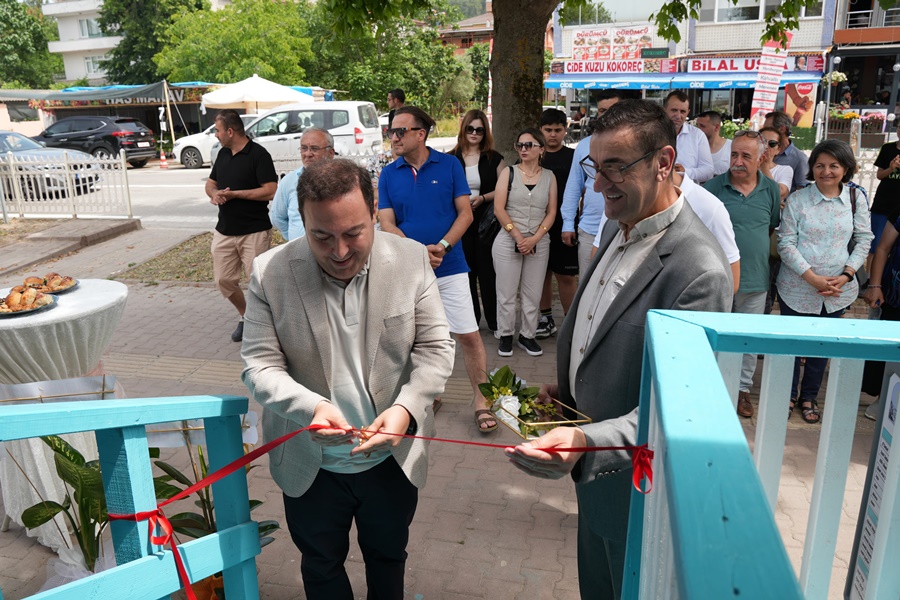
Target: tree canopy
[(269, 39), (142, 26), (24, 58)]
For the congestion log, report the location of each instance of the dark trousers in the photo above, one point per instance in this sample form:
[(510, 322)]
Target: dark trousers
[(383, 502), (815, 367), (601, 564), (481, 275)]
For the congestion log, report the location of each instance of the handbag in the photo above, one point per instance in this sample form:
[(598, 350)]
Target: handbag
[(489, 226), (862, 278)]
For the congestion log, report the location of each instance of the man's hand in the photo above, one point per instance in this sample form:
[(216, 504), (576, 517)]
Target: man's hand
[(394, 420), (874, 297), (221, 197), (569, 238), (436, 254), (531, 458), (338, 432)]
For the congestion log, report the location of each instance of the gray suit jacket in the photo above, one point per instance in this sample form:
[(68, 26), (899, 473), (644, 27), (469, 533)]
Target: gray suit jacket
[(687, 271), (287, 349)]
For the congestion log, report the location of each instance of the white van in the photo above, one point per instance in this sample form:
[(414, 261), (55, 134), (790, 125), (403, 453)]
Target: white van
[(353, 124)]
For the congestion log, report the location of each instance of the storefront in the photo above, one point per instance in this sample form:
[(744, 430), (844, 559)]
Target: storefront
[(715, 82)]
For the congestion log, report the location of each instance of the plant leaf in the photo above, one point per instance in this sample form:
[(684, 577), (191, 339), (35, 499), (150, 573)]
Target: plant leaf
[(154, 452), (61, 446), (191, 531), (263, 542), (173, 473), (163, 490), (255, 504), (41, 513), (266, 527)]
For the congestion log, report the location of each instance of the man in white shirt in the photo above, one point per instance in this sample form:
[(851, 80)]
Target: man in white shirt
[(692, 145), (710, 123), (315, 144)]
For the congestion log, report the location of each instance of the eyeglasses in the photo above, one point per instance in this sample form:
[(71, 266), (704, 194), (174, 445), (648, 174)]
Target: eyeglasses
[(611, 174), (313, 149), (772, 143), (527, 145), (474, 130), (401, 131)]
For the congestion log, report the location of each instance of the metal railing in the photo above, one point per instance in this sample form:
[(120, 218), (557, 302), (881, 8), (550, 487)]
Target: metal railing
[(372, 162), (146, 571), (892, 17), (867, 177), (707, 529), (858, 18), (38, 186)]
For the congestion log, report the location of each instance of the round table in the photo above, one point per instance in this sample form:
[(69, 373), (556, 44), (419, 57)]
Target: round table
[(62, 342)]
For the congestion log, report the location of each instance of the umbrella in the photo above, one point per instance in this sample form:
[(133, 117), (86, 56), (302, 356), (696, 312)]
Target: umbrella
[(253, 93)]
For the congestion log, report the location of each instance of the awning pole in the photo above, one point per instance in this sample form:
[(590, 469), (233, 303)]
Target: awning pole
[(169, 111)]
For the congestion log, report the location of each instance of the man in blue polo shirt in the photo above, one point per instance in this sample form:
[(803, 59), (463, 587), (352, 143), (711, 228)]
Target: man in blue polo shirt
[(424, 195)]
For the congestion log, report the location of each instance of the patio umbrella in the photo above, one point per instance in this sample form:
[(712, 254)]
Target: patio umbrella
[(253, 93)]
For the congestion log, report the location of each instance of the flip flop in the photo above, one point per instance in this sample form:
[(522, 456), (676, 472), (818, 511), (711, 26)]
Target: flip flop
[(482, 417)]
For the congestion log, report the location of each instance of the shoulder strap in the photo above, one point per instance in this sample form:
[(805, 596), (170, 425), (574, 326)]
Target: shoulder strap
[(852, 198), (511, 174)]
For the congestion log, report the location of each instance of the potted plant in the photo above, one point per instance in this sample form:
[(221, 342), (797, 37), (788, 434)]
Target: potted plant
[(833, 78), (518, 407)]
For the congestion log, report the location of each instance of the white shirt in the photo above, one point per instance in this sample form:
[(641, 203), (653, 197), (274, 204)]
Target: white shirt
[(783, 174), (620, 261), (693, 153), (722, 159), (712, 212)]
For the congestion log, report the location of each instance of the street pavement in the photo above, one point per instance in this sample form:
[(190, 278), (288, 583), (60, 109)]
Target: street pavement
[(482, 529)]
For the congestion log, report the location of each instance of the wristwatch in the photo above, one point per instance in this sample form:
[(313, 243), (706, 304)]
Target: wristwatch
[(509, 227), (447, 246), (847, 275)]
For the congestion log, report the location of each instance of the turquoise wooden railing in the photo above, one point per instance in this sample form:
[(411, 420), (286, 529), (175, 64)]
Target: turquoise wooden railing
[(145, 571), (708, 530)]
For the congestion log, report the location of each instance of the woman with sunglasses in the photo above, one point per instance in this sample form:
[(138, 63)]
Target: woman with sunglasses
[(783, 175), (475, 150), (525, 206), (817, 276)]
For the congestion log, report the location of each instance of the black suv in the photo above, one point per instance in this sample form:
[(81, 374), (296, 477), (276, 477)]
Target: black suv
[(103, 137)]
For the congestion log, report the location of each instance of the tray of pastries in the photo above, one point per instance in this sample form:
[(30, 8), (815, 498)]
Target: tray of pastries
[(53, 283), (23, 300)]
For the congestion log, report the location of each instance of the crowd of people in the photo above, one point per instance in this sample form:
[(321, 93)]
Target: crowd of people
[(353, 329)]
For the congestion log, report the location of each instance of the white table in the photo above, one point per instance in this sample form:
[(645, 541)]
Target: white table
[(62, 342)]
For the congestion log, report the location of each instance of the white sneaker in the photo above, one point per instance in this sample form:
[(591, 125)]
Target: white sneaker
[(873, 410)]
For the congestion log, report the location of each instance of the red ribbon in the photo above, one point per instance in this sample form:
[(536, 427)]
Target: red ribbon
[(641, 462)]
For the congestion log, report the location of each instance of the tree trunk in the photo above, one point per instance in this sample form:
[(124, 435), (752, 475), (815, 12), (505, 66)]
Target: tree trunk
[(517, 68)]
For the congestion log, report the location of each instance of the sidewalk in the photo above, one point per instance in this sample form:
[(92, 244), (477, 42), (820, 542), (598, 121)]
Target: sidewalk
[(482, 530)]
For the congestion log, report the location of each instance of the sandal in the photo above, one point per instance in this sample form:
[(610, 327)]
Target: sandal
[(810, 411), (791, 408), (436, 405), (482, 417)]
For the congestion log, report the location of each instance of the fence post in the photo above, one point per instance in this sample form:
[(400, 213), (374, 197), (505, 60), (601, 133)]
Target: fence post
[(70, 187), (5, 215), (15, 185), (124, 166)]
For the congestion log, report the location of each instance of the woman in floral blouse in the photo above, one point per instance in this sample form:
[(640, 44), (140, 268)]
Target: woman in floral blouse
[(817, 274)]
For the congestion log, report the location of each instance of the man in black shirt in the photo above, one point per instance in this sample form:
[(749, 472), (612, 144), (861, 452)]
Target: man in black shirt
[(563, 258), (241, 183)]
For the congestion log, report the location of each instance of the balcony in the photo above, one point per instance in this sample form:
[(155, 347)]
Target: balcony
[(69, 8), (869, 27), (94, 44)]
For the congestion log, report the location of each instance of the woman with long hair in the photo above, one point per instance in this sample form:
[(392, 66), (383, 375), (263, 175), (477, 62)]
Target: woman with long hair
[(817, 277), (525, 205), (475, 150)]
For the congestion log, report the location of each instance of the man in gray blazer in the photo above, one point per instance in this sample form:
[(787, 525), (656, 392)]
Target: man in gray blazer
[(654, 253), (345, 329)]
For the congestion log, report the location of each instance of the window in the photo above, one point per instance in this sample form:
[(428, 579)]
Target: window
[(89, 28), (92, 65), (726, 11), (271, 125)]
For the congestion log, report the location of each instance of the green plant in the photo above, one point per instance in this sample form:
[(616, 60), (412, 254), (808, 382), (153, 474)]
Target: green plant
[(502, 384), (730, 127), (89, 518), (197, 525)]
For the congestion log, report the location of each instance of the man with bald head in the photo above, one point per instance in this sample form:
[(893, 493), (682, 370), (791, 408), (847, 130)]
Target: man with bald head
[(754, 203), (315, 144)]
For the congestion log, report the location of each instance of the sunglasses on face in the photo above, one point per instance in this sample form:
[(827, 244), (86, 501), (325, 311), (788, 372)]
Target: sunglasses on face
[(748, 132), (474, 130), (401, 131), (526, 145), (772, 143)]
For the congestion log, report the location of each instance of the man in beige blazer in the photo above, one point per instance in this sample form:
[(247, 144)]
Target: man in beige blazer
[(345, 328)]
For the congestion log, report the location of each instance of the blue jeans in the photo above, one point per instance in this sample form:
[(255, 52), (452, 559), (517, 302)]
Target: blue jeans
[(815, 367)]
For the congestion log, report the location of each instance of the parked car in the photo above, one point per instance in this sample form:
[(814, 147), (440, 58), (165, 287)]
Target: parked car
[(383, 120), (354, 125), (40, 171), (103, 137), (194, 150)]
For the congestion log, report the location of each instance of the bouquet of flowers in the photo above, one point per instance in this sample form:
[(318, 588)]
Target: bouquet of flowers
[(517, 406), (833, 78)]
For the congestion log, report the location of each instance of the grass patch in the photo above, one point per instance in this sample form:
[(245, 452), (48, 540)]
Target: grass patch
[(188, 262), (446, 127), (17, 229), (804, 137)]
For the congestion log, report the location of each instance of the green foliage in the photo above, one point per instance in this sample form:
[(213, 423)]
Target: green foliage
[(142, 26), (479, 58), (24, 58), (246, 37)]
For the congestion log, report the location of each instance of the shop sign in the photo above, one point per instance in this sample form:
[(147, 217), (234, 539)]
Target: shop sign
[(771, 68), (654, 53), (611, 43), (569, 67), (733, 65)]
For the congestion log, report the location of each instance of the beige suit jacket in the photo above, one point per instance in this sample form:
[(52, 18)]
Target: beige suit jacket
[(287, 349)]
